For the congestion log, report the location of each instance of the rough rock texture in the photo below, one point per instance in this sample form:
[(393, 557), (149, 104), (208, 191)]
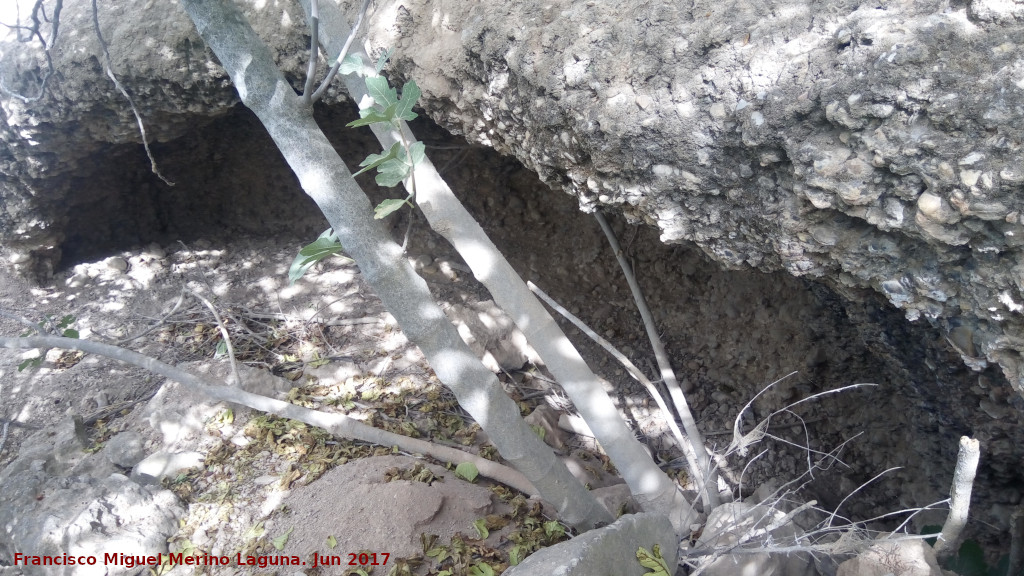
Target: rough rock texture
[(390, 514), (874, 145), (912, 558), (59, 500)]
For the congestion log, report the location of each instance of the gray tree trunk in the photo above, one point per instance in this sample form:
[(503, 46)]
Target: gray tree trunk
[(326, 179), (652, 488)]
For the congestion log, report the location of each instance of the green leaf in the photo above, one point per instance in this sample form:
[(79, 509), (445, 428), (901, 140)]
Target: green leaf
[(418, 151), (653, 561), (351, 64), (254, 532), (222, 349), (369, 116), (516, 555), (410, 94), (326, 245), (481, 569), (386, 207), (374, 160), (70, 333), (467, 471), (383, 59), (553, 529), (332, 541), (481, 527), (66, 321), (392, 172), (281, 540), (381, 92)]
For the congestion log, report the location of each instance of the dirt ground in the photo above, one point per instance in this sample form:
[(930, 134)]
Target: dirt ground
[(326, 343)]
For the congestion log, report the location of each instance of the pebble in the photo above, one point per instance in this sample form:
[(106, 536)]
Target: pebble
[(117, 263), (155, 251)]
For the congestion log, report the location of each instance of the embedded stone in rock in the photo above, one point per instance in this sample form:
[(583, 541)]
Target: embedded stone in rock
[(125, 449)]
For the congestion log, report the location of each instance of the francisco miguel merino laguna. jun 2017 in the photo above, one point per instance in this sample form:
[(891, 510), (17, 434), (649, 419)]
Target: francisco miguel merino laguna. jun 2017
[(131, 560)]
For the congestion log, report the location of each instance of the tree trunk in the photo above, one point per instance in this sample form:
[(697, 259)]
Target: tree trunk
[(652, 488), (326, 179)]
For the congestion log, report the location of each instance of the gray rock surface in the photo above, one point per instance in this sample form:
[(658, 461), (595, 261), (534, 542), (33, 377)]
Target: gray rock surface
[(56, 499), (911, 558), (126, 449), (608, 551), (870, 145)]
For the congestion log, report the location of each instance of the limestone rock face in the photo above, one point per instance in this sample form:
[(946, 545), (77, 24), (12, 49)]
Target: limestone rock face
[(59, 500), (875, 147)]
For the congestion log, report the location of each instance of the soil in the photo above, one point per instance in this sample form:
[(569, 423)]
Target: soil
[(325, 342)]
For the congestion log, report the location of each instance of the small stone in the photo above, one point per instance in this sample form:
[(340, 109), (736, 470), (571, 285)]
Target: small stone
[(1012, 174), (948, 235), (117, 263), (422, 261), (935, 208), (166, 464), (644, 101), (77, 281), (155, 251), (987, 210), (971, 158), (125, 449), (970, 177), (945, 171)]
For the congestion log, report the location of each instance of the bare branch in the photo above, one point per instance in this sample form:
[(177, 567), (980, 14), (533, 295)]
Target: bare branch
[(34, 32), (858, 489), (709, 493), (341, 56), (314, 50), (636, 373), (1017, 541), (109, 68), (960, 497), (233, 380), (337, 424)]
